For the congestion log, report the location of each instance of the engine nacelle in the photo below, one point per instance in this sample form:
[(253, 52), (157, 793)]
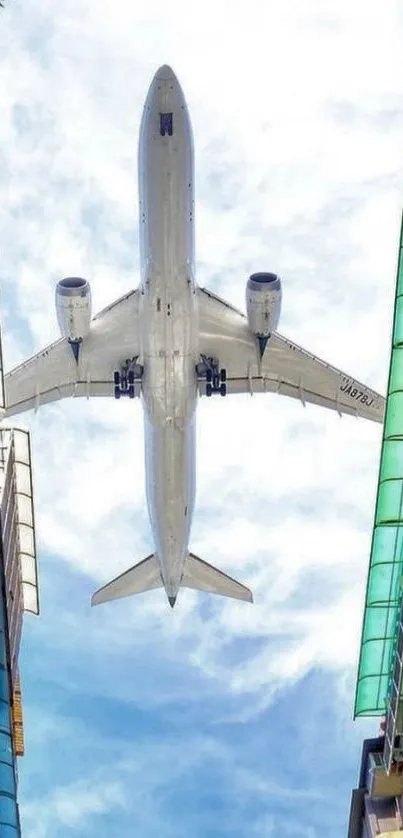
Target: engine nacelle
[(263, 305), (73, 307)]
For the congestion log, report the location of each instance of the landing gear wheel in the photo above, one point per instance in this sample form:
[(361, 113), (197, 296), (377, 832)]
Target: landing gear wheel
[(209, 376), (116, 378), (223, 375), (117, 392), (209, 389), (130, 378), (223, 389), (131, 391)]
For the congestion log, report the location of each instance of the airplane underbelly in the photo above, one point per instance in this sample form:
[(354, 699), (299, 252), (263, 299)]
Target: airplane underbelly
[(169, 392), (168, 318), (169, 385), (170, 472), (166, 194)]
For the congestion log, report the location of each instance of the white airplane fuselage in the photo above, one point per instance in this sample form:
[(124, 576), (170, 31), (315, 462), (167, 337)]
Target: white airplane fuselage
[(168, 321), (169, 340)]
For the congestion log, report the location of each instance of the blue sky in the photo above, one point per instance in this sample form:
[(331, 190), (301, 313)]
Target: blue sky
[(217, 718)]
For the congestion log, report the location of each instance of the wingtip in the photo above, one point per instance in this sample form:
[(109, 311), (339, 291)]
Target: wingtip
[(97, 598)]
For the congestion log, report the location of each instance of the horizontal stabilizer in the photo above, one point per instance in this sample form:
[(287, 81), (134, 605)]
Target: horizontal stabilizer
[(144, 576), (202, 576)]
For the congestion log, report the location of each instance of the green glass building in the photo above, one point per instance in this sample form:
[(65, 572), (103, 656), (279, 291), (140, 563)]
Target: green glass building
[(385, 580)]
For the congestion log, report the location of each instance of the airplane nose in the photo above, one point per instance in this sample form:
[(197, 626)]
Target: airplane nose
[(165, 73), (172, 600)]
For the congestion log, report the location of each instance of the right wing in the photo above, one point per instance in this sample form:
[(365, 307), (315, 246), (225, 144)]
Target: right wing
[(285, 368), (54, 374)]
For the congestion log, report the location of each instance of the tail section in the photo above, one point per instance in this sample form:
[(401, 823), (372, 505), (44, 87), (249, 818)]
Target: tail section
[(202, 576), (144, 576)]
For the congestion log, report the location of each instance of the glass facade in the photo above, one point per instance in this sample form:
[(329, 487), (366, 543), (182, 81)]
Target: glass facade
[(385, 579)]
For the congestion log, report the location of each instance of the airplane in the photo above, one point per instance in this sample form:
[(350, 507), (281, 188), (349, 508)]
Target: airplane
[(169, 342)]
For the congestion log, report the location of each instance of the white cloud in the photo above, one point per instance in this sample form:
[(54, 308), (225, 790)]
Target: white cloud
[(161, 782), (270, 456), (298, 135), (71, 807)]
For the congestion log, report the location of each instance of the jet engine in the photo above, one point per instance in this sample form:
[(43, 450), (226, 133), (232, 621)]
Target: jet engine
[(73, 307), (263, 305)]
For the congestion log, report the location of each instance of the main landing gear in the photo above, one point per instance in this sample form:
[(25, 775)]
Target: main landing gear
[(126, 378), (216, 382), (215, 376)]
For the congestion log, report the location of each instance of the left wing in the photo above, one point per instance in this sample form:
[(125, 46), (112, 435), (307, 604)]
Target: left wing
[(285, 368), (54, 373)]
